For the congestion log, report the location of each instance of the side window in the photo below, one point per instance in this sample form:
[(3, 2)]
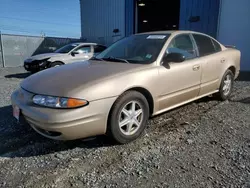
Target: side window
[(182, 44), (204, 44), (83, 49), (216, 46), (99, 48)]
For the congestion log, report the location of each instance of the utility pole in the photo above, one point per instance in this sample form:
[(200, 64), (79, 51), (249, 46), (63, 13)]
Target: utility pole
[(2, 50)]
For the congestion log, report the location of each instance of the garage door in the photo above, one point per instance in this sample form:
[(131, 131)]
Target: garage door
[(199, 15)]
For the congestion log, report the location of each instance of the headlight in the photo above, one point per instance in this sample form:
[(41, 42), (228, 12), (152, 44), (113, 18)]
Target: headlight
[(44, 61), (58, 102), (28, 60)]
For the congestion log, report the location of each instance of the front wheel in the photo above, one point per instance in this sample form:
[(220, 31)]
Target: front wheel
[(128, 117), (226, 86), (55, 64)]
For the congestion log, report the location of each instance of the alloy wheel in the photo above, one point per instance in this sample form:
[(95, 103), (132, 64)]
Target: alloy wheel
[(130, 118), (227, 85)]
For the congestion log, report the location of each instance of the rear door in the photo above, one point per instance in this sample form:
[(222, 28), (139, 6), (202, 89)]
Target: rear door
[(180, 81), (212, 62), (98, 49)]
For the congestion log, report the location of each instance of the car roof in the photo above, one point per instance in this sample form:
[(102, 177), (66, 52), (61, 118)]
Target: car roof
[(157, 32), (170, 32), (86, 43)]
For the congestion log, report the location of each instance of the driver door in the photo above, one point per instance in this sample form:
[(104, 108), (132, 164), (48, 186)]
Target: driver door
[(180, 82), (82, 53)]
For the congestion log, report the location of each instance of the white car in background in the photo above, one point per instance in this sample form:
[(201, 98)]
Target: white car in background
[(67, 54)]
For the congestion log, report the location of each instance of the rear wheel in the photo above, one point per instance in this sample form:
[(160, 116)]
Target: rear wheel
[(128, 117), (226, 86)]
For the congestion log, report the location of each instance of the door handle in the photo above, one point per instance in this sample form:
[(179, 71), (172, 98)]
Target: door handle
[(196, 67)]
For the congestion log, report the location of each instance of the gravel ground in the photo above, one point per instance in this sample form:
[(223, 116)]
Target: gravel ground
[(202, 144)]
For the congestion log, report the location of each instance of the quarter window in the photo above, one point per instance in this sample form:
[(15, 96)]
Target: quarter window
[(216, 46), (204, 44), (182, 44)]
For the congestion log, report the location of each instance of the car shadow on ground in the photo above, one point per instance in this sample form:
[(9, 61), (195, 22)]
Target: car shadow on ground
[(20, 140), (18, 75), (244, 101)]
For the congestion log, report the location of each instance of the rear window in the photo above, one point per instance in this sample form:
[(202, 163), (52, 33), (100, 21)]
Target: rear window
[(204, 44)]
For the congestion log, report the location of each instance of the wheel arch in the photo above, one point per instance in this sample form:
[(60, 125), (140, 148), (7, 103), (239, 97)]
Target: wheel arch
[(141, 90), (56, 62), (233, 69), (145, 93)]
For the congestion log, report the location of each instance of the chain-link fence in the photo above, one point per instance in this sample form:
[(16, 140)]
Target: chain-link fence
[(14, 49)]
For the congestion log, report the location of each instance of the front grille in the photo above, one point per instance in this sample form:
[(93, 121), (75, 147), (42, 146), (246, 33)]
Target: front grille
[(33, 65)]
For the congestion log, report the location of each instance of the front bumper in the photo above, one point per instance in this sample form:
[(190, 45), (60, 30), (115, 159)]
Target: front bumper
[(64, 124), (35, 65)]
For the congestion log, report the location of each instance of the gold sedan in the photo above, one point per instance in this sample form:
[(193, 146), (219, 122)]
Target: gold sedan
[(117, 91)]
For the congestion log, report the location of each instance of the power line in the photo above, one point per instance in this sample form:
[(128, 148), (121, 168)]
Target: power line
[(18, 29), (53, 13), (41, 8), (32, 29), (36, 34), (15, 28), (38, 21)]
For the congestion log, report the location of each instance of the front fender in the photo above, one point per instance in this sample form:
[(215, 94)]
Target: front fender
[(116, 85)]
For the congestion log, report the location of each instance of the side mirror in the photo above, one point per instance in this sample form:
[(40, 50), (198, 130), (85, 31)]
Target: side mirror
[(74, 53), (173, 57)]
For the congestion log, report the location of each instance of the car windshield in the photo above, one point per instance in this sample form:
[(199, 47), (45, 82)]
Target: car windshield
[(66, 49), (141, 49)]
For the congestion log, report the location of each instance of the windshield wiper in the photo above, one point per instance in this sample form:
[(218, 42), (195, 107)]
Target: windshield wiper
[(98, 59), (116, 59)]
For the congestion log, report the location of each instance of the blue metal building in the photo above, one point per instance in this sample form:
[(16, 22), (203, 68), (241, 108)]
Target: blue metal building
[(99, 18), (106, 21)]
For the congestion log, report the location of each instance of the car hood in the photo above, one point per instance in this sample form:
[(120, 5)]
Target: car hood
[(42, 56), (66, 80)]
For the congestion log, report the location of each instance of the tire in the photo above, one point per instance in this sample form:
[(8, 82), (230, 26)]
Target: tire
[(225, 94), (125, 102), (55, 64)]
